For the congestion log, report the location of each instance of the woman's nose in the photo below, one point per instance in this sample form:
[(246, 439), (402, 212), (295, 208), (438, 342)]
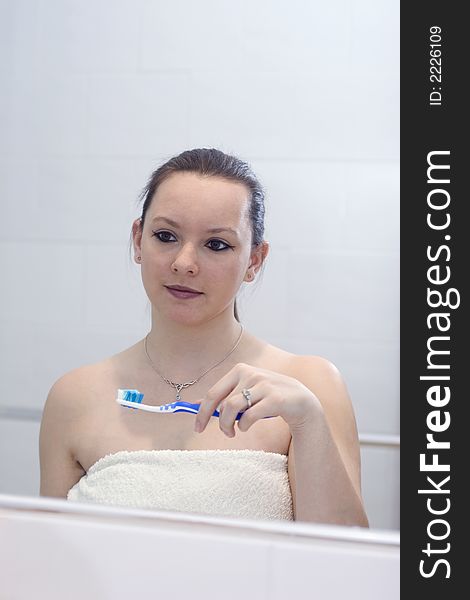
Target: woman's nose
[(186, 259)]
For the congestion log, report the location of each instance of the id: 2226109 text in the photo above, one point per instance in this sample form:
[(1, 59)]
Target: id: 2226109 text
[(435, 64)]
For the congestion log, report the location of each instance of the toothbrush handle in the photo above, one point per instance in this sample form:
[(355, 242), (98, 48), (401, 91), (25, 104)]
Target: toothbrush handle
[(238, 417), (216, 413)]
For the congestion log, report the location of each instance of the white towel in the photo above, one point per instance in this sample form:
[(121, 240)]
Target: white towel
[(233, 483)]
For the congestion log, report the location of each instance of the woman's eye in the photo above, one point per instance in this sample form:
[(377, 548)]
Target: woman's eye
[(219, 242), (157, 234), (161, 235)]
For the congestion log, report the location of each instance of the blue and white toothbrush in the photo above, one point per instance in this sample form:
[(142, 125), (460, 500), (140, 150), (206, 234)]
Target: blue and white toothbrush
[(133, 399)]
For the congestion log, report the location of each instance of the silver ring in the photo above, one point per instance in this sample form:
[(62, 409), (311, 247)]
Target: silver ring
[(247, 395)]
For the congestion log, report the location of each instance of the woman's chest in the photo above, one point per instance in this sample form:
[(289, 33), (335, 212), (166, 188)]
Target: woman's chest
[(109, 428)]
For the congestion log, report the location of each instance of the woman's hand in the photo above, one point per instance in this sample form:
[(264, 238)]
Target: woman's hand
[(272, 395)]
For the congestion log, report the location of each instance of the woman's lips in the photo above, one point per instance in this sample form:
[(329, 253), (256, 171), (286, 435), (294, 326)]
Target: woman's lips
[(181, 294)]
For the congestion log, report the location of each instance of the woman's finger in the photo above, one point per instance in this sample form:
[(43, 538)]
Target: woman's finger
[(267, 407), (216, 394), (235, 404)]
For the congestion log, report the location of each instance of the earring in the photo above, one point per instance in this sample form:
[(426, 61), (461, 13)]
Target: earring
[(138, 258)]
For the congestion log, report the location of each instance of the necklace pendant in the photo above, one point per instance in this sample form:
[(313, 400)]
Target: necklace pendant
[(179, 387)]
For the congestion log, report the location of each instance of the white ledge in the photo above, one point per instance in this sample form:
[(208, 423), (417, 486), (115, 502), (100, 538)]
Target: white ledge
[(145, 517)]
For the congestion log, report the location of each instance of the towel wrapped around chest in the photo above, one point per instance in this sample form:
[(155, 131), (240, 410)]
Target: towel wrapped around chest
[(232, 483)]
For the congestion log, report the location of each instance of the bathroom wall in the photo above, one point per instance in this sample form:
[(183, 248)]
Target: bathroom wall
[(95, 95)]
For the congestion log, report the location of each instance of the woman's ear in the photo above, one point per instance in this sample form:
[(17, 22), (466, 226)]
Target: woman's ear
[(137, 239), (257, 258), (264, 250)]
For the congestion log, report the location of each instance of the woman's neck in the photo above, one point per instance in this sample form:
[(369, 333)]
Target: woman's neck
[(182, 352)]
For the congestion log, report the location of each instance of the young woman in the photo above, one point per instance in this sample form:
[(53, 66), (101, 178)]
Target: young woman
[(199, 238)]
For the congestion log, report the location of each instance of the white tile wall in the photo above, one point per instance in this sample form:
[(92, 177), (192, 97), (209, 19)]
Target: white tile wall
[(43, 283), (374, 46), (348, 297), (45, 114), (19, 467), (14, 172), (280, 114), (102, 36), (18, 36), (138, 114), (95, 96), (381, 486)]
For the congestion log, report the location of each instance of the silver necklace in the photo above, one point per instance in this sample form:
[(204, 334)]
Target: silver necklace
[(180, 386)]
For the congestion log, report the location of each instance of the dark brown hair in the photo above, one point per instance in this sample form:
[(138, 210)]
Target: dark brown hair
[(212, 162)]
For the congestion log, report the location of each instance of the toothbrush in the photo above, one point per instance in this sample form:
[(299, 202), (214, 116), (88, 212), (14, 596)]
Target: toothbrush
[(133, 399)]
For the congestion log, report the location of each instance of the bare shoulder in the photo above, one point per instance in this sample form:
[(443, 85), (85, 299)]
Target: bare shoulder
[(323, 378), (320, 375), (75, 396), (67, 405), (316, 372), (72, 390), (63, 419)]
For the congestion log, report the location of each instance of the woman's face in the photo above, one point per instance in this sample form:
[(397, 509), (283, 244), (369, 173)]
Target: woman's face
[(177, 247)]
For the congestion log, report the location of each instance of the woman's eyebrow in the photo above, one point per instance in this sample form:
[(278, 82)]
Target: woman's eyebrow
[(212, 230)]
